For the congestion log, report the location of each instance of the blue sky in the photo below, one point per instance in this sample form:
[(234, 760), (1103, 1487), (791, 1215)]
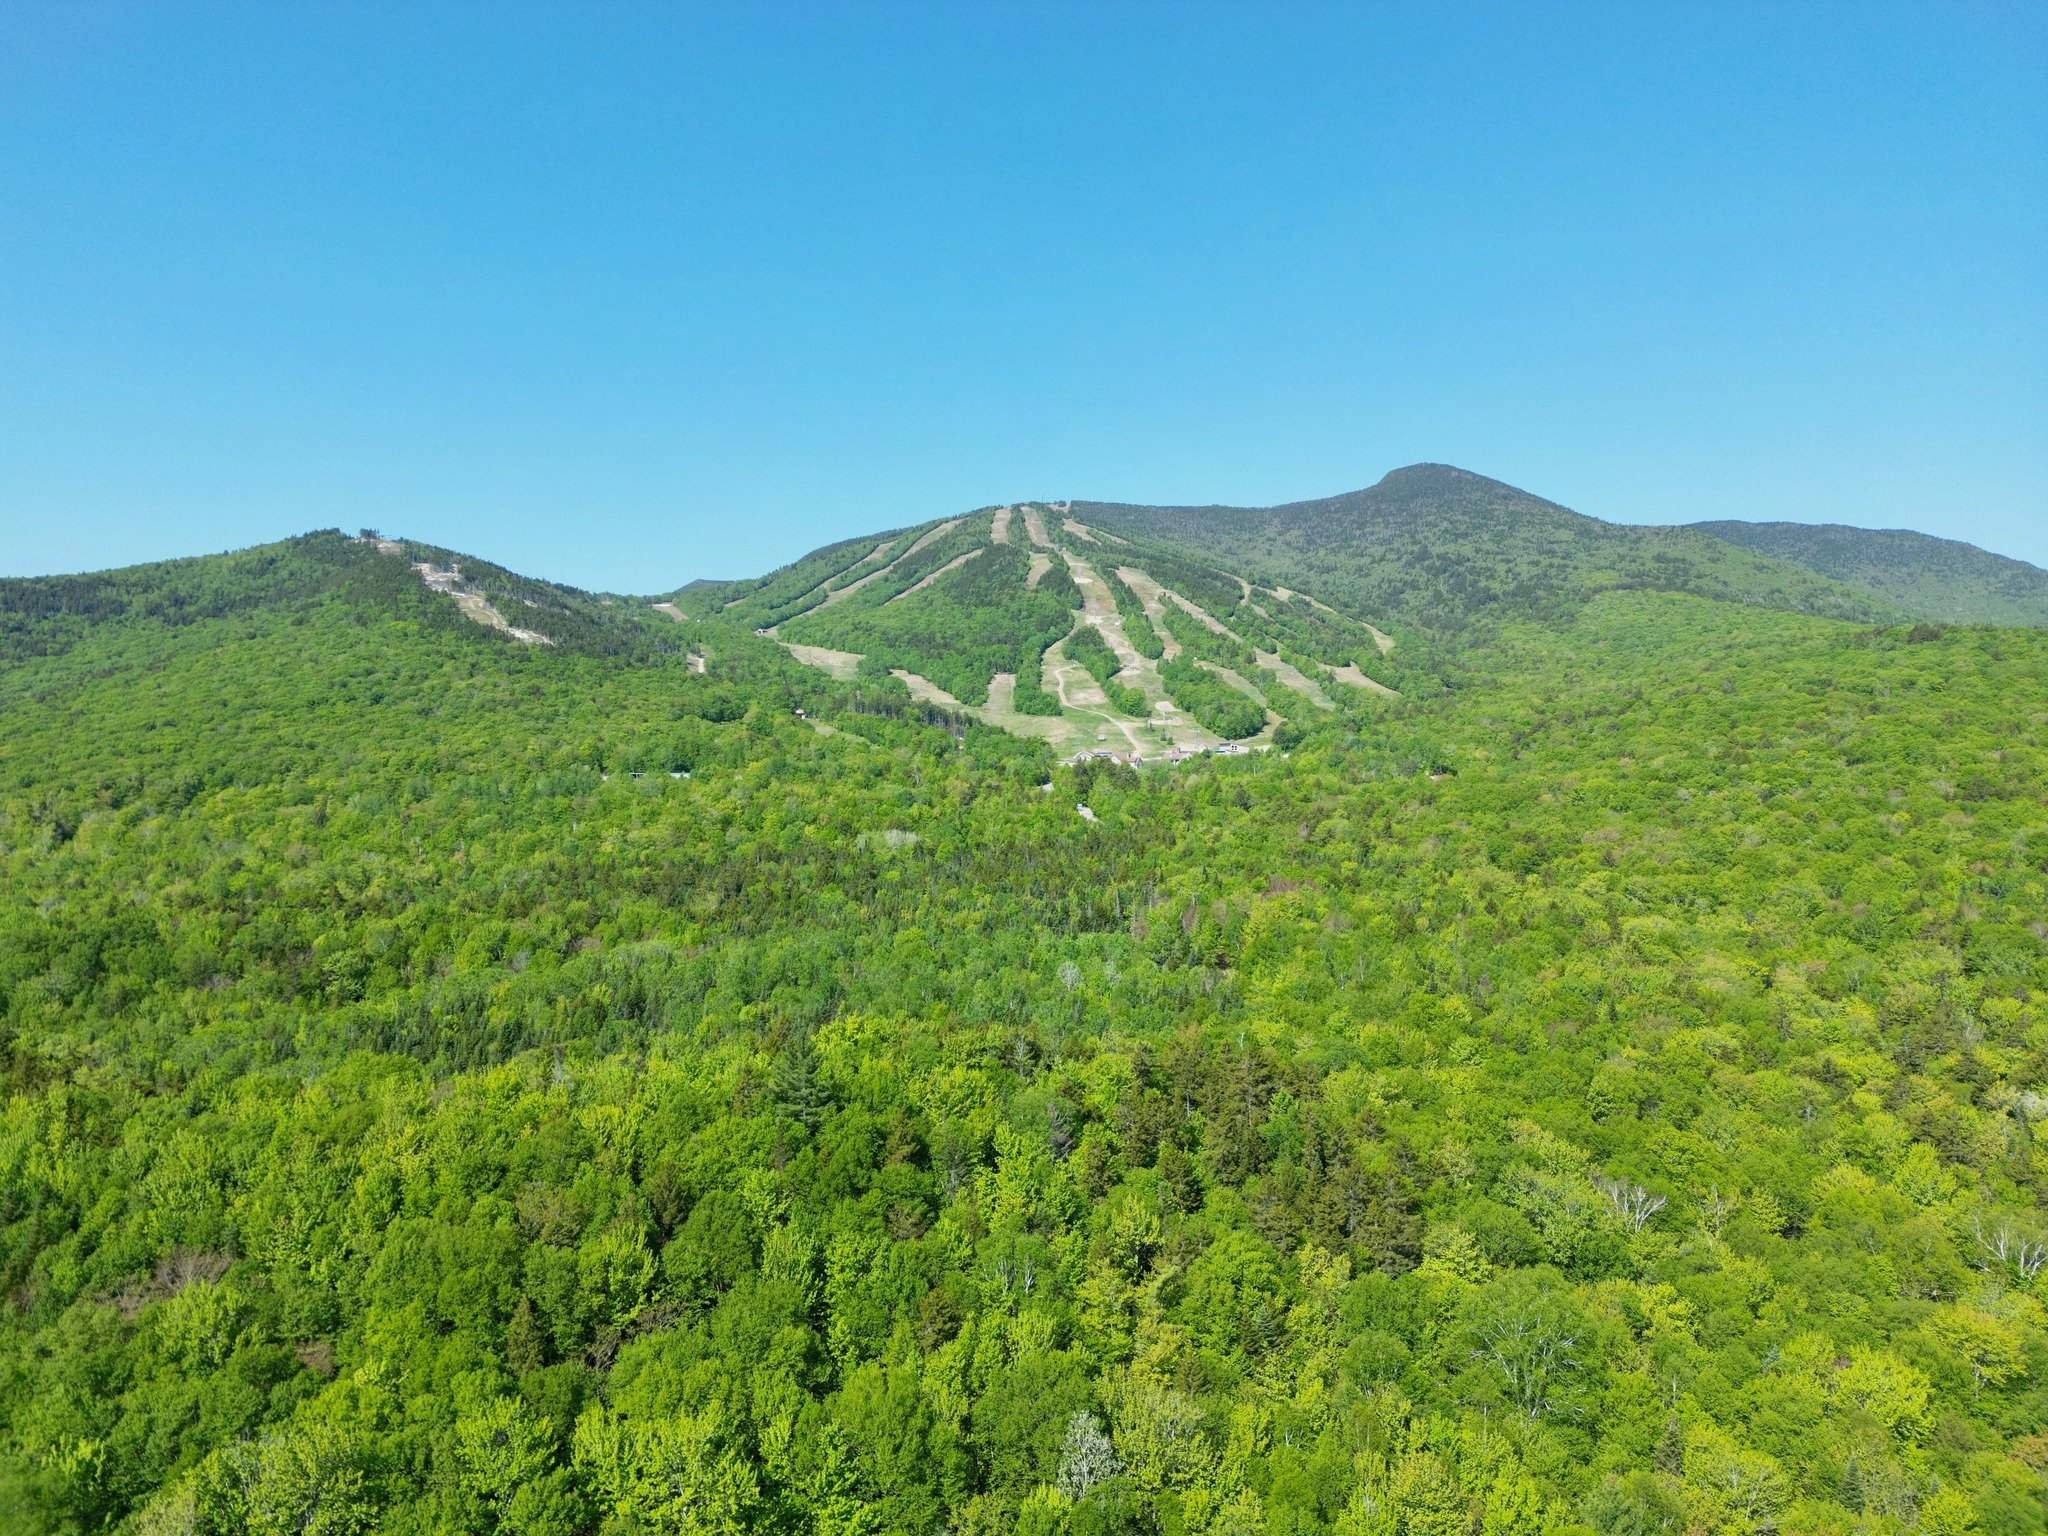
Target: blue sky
[(624, 295)]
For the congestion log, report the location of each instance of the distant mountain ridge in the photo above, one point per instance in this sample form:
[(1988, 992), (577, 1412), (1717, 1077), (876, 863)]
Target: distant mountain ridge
[(1113, 623), (1925, 576), (1442, 548)]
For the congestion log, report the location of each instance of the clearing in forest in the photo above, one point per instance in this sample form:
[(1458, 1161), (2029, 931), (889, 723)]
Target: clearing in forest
[(1349, 673), (1153, 722), (474, 604), (1094, 723), (843, 665), (926, 691), (1153, 597), (947, 569), (840, 594), (1099, 609), (1201, 615), (1293, 677)]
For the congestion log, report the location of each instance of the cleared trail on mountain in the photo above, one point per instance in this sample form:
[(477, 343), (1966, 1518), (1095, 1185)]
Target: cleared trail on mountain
[(1099, 610), (1349, 673), (926, 691), (843, 665), (1203, 616), (841, 594), (1294, 677), (947, 569), (474, 605), (823, 588), (1087, 717), (1152, 597)]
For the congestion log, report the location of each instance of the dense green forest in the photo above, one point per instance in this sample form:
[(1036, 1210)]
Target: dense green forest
[(637, 1083), (981, 621), (1925, 577)]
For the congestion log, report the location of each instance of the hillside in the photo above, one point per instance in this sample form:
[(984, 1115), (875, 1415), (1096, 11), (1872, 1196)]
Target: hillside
[(1444, 550), (638, 1079), (45, 616), (1032, 621), (1157, 630), (1929, 578)]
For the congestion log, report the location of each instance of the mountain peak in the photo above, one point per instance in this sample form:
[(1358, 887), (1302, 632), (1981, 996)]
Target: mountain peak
[(1431, 473), (1442, 547)]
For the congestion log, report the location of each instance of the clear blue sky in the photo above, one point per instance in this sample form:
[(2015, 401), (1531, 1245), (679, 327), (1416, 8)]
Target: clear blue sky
[(624, 295)]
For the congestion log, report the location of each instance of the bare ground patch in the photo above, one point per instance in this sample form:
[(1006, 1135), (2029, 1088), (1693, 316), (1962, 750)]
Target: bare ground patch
[(1294, 678), (1099, 609), (841, 664), (474, 604), (1151, 592), (1151, 595), (1349, 673), (927, 691)]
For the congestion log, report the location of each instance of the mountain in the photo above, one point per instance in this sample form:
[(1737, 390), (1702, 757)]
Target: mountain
[(1929, 578), (1443, 550), (481, 1057), (1148, 630), (1026, 618), (48, 615)]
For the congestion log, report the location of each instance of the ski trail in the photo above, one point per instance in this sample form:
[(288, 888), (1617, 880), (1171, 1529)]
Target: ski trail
[(1149, 596), (1349, 673), (840, 594), (953, 564)]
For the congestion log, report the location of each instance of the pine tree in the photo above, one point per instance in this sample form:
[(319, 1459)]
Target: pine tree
[(526, 1344), (800, 1094)]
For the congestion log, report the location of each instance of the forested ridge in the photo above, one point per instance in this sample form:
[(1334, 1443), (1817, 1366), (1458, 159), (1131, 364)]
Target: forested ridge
[(1925, 577), (1453, 553), (640, 1084)]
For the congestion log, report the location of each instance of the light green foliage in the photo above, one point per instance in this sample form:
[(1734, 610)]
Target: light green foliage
[(1604, 1097), (1130, 607), (1926, 577), (970, 624), (1087, 647), (1213, 701)]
